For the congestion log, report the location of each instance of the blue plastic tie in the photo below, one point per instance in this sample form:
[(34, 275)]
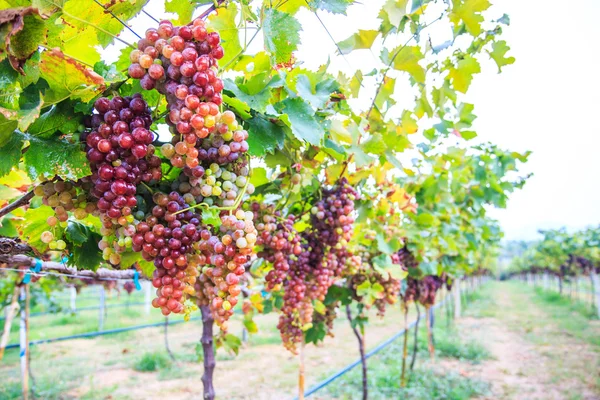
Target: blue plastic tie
[(136, 280), (38, 266)]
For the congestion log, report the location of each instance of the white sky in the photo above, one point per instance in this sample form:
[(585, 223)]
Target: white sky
[(546, 102)]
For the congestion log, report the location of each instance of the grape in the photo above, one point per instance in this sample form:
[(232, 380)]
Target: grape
[(126, 159), (47, 237)]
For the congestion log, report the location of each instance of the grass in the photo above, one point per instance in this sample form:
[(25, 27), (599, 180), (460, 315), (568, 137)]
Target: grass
[(384, 381), (151, 362), (384, 368)]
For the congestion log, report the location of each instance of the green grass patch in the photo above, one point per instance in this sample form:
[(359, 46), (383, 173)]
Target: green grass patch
[(151, 362)]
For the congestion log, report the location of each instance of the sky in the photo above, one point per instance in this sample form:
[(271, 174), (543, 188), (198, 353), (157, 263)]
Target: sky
[(547, 102)]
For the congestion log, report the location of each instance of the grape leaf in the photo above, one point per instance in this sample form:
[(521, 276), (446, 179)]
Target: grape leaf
[(462, 75), (60, 117), (318, 96), (498, 54), (10, 149), (85, 254), (22, 30), (255, 92), (47, 158), (333, 6), (264, 136), (393, 11), (363, 39), (302, 121), (469, 12), (7, 127), (224, 22), (183, 9), (407, 59), (281, 34), (67, 78), (33, 224), (29, 110), (211, 217)]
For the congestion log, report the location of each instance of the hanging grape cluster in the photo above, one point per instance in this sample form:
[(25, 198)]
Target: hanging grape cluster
[(224, 252), (321, 261), (119, 149), (279, 241)]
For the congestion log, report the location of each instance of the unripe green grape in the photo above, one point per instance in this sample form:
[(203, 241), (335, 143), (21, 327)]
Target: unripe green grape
[(38, 191), (216, 191), (53, 245), (53, 201), (63, 224), (61, 245), (214, 167)]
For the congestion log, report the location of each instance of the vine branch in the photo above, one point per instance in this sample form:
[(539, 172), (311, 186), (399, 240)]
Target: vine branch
[(20, 202)]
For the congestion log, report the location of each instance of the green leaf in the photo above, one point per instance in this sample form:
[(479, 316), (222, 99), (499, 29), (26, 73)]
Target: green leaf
[(363, 39), (318, 96), (26, 114), (224, 22), (469, 12), (375, 144), (392, 12), (33, 225), (384, 97), (59, 117), (256, 92), (281, 34), (407, 59), (264, 136), (333, 6), (77, 232), (211, 217), (10, 150), (468, 135), (250, 325), (183, 9), (385, 246), (47, 158), (462, 75), (67, 78), (7, 127), (498, 54), (259, 177), (303, 123)]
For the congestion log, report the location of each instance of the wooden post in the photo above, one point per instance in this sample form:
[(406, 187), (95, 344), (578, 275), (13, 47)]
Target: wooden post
[(301, 372), (405, 347), (73, 305), (456, 291), (11, 311), (148, 297), (429, 332), (24, 342), (102, 294), (546, 281), (596, 290)]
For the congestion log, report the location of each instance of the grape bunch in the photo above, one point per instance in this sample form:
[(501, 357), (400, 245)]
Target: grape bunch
[(166, 237), (66, 199), (321, 261), (179, 60), (121, 156), (428, 287), (223, 254), (279, 241)]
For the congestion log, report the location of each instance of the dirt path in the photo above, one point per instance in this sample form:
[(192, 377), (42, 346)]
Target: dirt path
[(532, 357)]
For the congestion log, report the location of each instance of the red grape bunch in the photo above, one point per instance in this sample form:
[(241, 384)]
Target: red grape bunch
[(224, 252), (321, 261), (121, 156), (279, 240), (167, 237)]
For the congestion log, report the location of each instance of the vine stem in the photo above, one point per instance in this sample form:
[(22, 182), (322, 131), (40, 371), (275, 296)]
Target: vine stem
[(361, 348), (20, 202), (117, 18), (404, 347), (301, 372), (209, 353), (389, 64), (429, 333), (416, 341), (21, 260)]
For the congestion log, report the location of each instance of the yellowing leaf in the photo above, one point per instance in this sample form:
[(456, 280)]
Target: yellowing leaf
[(223, 21), (462, 75), (409, 124), (498, 54), (67, 78), (407, 59), (363, 39), (469, 12)]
